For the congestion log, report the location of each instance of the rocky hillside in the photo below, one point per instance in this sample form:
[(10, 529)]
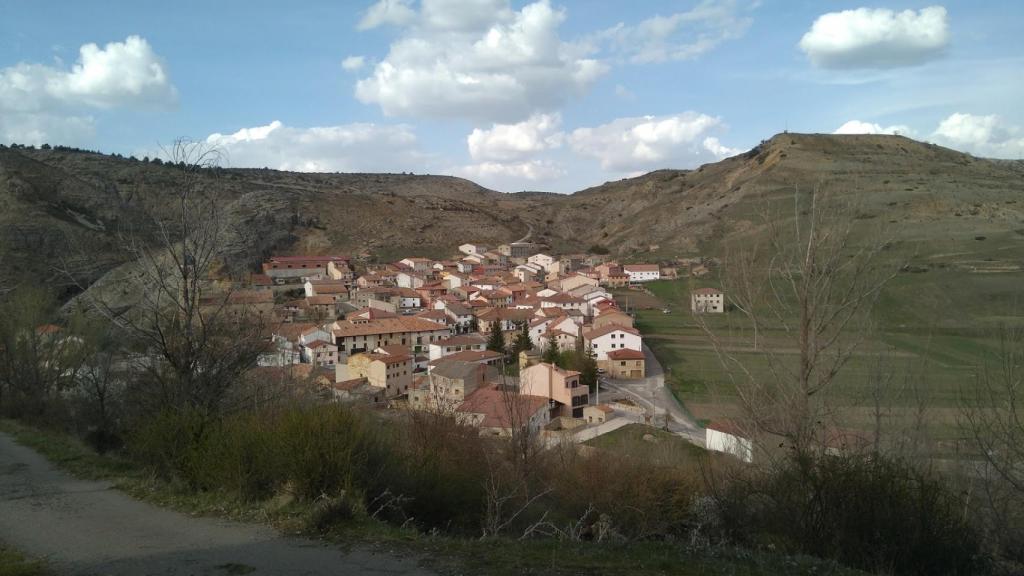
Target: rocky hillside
[(59, 205)]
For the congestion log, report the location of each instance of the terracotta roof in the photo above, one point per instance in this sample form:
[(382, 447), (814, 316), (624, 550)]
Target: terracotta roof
[(385, 326), (394, 350), (707, 291), (500, 410), (598, 332), (461, 340), (319, 300), (371, 314), (324, 259), (727, 426), (391, 358), (625, 354), (318, 344), (292, 331), (474, 356), (641, 268)]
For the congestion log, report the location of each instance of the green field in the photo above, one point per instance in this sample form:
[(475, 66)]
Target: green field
[(931, 332)]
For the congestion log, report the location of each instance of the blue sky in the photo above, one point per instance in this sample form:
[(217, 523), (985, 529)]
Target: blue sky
[(549, 95)]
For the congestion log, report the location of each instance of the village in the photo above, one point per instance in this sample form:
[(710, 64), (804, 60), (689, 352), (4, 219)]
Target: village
[(504, 339)]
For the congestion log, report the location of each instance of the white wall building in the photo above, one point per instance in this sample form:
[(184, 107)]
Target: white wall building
[(642, 272), (707, 300), (601, 341)]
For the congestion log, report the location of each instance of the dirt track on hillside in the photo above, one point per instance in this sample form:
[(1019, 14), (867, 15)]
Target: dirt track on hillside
[(88, 528)]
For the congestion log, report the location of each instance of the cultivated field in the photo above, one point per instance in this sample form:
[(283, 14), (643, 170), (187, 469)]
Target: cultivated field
[(932, 331)]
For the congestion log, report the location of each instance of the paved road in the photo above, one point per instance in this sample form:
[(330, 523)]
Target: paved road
[(87, 528), (653, 395)]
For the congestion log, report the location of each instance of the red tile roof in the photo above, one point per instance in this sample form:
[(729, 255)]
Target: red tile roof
[(625, 354)]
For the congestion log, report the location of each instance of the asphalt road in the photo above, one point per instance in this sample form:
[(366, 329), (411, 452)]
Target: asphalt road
[(87, 528), (652, 394)]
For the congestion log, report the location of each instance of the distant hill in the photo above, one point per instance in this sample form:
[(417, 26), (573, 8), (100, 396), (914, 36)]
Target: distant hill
[(940, 200)]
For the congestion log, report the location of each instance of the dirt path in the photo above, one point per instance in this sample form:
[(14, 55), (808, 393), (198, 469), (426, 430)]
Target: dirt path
[(88, 528)]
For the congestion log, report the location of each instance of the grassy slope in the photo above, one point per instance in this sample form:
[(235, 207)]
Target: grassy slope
[(498, 557), (917, 344)]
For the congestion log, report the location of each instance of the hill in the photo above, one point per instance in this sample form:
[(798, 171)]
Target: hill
[(940, 200)]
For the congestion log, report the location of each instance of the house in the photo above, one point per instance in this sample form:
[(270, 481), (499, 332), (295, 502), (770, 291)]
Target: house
[(561, 387), (356, 390), (390, 372), (359, 335), (320, 353), (410, 279), (472, 249), (460, 317), (510, 318), (488, 357), (563, 301), (498, 411), (282, 268), (601, 341), (573, 281), (625, 364), (707, 300), (419, 265), (597, 414), (320, 307), (547, 263), (642, 272), (730, 437), (448, 346), (612, 317), (338, 290), (447, 384), (616, 278)]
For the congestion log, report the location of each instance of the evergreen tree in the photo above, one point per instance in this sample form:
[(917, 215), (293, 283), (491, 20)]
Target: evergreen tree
[(551, 355), (474, 324), (523, 341), (588, 371), (496, 340)]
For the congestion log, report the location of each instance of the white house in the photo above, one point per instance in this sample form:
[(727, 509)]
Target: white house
[(409, 280), (543, 260), (642, 272), (469, 249), (707, 300), (726, 436), (462, 343), (601, 341)]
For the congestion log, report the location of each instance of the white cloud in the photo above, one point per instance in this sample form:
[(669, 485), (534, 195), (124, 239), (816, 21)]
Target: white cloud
[(347, 148), (631, 144), (858, 127), (501, 175), (876, 38), (35, 98), (40, 128), (680, 36), (393, 12), (982, 135), (508, 142), (711, 144), (480, 60), (353, 63)]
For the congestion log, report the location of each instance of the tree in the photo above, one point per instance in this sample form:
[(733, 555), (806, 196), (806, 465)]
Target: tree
[(551, 353), (523, 342), (197, 337), (496, 339), (474, 324), (815, 286)]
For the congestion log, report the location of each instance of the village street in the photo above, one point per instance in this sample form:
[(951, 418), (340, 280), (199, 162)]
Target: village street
[(652, 394), (86, 527)]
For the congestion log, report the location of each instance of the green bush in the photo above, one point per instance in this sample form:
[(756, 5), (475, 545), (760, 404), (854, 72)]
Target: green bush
[(871, 513)]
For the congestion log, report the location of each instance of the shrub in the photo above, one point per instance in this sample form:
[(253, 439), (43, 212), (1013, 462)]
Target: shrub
[(871, 513)]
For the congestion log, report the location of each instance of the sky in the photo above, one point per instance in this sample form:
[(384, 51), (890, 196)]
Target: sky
[(551, 95)]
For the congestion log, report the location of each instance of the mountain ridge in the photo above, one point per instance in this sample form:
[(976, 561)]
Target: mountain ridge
[(62, 198)]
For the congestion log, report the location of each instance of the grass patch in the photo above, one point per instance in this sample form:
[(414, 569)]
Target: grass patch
[(14, 563)]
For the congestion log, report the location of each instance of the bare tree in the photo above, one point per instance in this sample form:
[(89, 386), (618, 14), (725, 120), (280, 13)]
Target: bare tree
[(813, 285), (993, 412), (38, 359), (198, 334)]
